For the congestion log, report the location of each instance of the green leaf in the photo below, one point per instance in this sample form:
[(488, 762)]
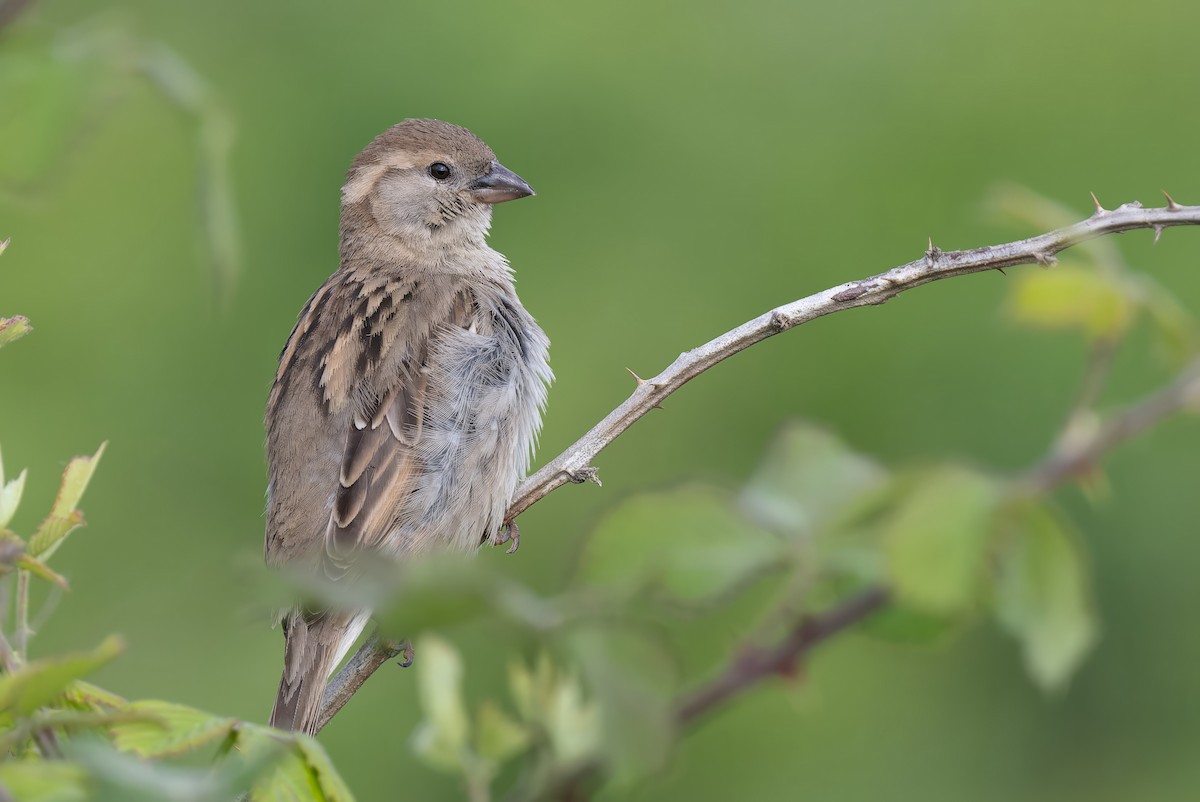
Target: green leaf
[(1043, 596), (690, 544), (1073, 297), (283, 774), (554, 701), (497, 736), (441, 738), (333, 787), (168, 729), (13, 328), (44, 781), (10, 496), (439, 591), (42, 681), (86, 696), (807, 476), (903, 624), (936, 541), (64, 517), (120, 777), (633, 680)]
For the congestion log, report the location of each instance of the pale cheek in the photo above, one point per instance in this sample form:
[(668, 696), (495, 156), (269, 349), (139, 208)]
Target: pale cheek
[(402, 210)]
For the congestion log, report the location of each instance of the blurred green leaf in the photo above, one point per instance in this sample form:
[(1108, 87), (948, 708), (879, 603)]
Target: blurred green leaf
[(1043, 596), (633, 682), (905, 624), (554, 702), (439, 591), (10, 496), (690, 543), (936, 541), (119, 777), (498, 737), (44, 781), (441, 738), (1073, 297), (168, 729), (12, 328), (64, 518), (806, 477), (287, 776), (86, 696), (42, 681), (333, 787)]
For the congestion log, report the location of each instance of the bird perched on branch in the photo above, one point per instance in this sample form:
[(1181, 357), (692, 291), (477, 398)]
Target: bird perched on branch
[(409, 394)]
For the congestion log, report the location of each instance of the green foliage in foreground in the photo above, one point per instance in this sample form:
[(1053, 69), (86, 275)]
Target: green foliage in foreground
[(67, 739), (64, 739)]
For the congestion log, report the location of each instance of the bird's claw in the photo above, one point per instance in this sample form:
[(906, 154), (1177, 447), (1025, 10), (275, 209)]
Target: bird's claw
[(509, 533), (406, 654)]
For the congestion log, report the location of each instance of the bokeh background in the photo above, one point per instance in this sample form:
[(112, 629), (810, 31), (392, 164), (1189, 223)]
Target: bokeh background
[(696, 164)]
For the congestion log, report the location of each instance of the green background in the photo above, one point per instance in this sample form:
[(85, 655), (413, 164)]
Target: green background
[(696, 164)]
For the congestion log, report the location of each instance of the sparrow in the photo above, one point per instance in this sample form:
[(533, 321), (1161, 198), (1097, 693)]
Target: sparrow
[(409, 395)]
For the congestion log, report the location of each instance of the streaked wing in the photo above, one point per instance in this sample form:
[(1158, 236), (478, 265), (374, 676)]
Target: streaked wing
[(380, 461)]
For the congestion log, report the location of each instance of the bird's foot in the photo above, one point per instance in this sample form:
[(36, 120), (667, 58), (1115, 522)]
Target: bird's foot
[(509, 533), (405, 651)]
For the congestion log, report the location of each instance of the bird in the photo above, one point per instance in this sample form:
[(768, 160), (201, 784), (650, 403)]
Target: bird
[(409, 395)]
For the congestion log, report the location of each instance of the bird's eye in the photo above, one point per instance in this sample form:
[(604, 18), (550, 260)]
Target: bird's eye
[(439, 171)]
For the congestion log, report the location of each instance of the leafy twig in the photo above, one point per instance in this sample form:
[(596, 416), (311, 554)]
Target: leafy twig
[(753, 666)]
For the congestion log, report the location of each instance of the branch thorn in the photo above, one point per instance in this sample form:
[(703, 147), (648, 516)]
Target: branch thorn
[(1158, 230), (1172, 206), (1001, 269), (932, 252), (1045, 259), (4, 243), (1099, 209), (640, 381)]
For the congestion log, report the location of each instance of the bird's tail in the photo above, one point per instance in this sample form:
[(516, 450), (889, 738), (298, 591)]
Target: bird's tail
[(314, 645)]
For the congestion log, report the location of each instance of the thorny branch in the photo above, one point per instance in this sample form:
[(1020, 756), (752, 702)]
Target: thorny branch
[(574, 464), (1070, 457)]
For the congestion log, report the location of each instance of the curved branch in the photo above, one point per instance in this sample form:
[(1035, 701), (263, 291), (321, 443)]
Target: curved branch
[(574, 464)]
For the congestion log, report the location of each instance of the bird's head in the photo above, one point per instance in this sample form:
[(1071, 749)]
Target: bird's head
[(427, 181)]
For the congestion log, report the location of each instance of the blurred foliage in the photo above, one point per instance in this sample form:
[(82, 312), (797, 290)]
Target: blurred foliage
[(62, 738), (696, 164)]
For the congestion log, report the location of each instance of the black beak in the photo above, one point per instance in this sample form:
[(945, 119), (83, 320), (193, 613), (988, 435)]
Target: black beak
[(499, 185)]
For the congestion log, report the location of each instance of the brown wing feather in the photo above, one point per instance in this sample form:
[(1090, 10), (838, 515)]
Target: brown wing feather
[(379, 460)]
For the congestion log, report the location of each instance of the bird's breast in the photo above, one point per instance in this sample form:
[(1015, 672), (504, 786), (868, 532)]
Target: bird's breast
[(487, 389)]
